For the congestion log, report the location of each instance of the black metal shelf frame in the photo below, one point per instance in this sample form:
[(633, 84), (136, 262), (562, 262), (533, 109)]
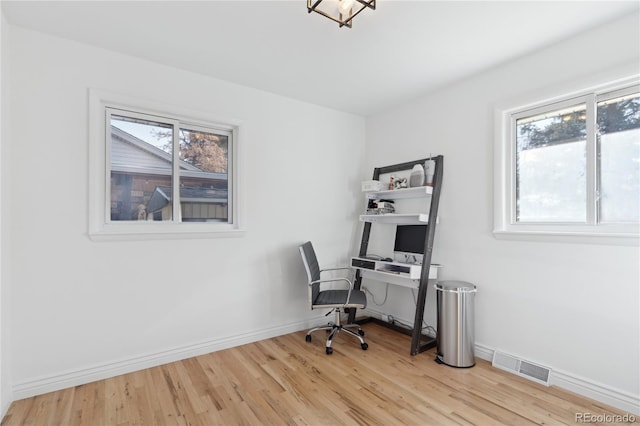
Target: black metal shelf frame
[(419, 342)]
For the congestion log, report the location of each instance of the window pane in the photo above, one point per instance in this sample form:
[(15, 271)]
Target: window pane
[(619, 136), (551, 166), (204, 190), (141, 169)]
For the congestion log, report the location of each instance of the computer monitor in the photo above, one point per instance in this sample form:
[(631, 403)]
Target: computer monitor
[(409, 243)]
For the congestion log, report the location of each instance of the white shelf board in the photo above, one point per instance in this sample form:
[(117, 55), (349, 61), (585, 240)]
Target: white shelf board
[(391, 278), (397, 194), (401, 219), (399, 278)]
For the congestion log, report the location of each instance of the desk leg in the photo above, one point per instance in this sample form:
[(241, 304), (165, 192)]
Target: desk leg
[(417, 323), (429, 342), (356, 286)]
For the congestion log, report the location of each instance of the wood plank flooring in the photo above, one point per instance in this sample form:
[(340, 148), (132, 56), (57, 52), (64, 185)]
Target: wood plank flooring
[(287, 381)]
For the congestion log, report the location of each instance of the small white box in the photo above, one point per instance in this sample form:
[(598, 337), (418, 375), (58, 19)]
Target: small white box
[(371, 185)]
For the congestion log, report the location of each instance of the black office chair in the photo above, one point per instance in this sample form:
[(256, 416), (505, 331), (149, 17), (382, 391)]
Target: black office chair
[(337, 300)]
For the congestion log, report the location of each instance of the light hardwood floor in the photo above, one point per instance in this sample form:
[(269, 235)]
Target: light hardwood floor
[(287, 381)]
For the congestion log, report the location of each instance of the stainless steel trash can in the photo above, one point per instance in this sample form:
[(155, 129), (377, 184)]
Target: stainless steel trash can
[(455, 329)]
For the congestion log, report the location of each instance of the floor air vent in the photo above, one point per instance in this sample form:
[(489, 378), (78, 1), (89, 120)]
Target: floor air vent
[(522, 368)]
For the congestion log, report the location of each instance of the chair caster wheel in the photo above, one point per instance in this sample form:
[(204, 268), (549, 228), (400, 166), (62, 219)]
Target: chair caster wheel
[(329, 351), (361, 332), (307, 337), (364, 346)]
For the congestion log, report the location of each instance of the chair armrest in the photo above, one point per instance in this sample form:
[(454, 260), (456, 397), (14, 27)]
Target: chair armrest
[(333, 280), (335, 269), (344, 268)]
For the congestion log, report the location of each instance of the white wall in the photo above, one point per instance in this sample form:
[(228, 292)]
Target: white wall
[(571, 307), (84, 309), (6, 394), (3, 397)]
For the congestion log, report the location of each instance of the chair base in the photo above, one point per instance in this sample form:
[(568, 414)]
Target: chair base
[(335, 328)]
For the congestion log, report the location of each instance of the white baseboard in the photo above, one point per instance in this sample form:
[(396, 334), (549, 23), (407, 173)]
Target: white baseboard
[(6, 402), (587, 388), (602, 393), (40, 385), (483, 352), (606, 394)]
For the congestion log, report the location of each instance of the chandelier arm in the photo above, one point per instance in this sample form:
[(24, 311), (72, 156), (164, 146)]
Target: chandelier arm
[(312, 6), (369, 3)]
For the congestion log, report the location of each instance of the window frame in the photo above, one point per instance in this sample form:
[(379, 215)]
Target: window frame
[(101, 227), (505, 224)]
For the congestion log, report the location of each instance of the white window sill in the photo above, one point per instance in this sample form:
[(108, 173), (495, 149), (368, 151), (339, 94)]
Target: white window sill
[(567, 236), (169, 231)]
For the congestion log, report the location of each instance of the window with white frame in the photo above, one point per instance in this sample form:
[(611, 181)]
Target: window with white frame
[(159, 173), (571, 166)]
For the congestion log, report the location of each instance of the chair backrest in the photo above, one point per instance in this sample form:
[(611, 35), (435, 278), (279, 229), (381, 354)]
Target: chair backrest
[(313, 269)]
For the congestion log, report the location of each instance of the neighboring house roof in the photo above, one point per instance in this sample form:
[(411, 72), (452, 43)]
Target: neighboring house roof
[(162, 196), (133, 155)]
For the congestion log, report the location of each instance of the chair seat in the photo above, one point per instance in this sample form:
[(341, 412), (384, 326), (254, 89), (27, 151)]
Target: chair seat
[(337, 297)]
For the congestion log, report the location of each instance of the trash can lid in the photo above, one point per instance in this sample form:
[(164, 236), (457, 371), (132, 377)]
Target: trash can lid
[(461, 286)]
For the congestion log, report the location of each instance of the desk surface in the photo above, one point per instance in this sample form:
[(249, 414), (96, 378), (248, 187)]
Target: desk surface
[(402, 274)]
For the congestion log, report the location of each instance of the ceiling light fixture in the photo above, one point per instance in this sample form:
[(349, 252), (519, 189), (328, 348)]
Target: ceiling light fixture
[(340, 11)]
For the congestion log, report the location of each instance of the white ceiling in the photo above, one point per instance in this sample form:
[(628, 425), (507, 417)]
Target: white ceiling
[(396, 53)]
